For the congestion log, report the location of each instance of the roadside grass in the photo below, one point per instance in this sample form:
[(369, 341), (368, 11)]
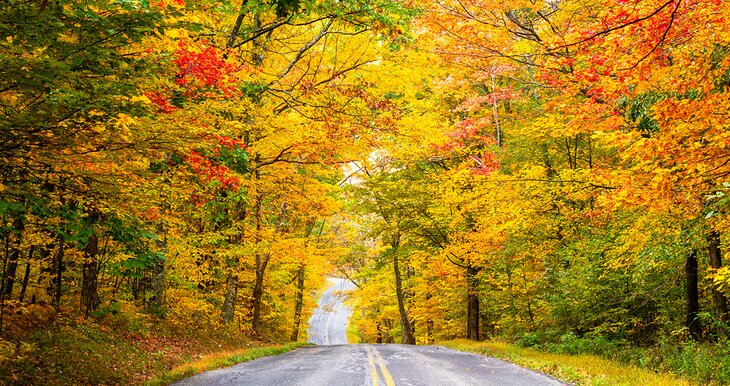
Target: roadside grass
[(577, 369), (220, 360)]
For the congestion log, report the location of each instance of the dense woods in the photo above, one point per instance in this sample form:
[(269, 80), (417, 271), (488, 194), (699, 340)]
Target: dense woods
[(553, 173)]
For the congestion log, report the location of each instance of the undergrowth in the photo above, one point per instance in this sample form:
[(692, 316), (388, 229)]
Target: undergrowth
[(704, 363), (126, 348)]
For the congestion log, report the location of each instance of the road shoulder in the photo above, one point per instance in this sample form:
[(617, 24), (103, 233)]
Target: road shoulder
[(574, 369)]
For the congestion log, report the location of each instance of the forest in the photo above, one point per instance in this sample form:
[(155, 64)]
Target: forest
[(553, 173)]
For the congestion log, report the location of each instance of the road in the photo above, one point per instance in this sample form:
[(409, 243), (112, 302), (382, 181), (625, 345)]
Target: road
[(328, 324), (333, 362), (373, 365)]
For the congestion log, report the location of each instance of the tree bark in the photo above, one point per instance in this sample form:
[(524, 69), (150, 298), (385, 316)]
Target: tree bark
[(10, 272), (472, 323), (299, 304), (229, 302), (387, 338), (59, 272), (158, 284), (262, 261), (379, 328), (159, 271), (12, 267), (26, 275), (405, 322), (719, 298), (258, 291), (693, 303), (90, 274), (2, 293)]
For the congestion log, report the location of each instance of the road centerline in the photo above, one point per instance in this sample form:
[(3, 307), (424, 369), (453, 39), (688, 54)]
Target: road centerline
[(383, 369), (373, 368)]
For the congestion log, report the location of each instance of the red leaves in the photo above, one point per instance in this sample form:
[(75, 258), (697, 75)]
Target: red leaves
[(204, 71), (486, 164), (466, 133), (467, 136), (207, 171), (161, 101), (229, 142)]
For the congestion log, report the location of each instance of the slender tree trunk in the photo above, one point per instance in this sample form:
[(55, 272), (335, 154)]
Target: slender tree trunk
[(387, 338), (299, 304), (495, 113), (405, 321), (300, 281), (693, 303), (158, 274), (231, 298), (229, 302), (379, 329), (716, 262), (258, 291), (2, 293), (472, 323), (136, 284), (262, 260), (10, 272), (90, 275), (530, 314), (26, 274), (12, 267), (158, 284), (59, 272)]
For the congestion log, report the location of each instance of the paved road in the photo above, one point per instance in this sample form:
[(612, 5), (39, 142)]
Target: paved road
[(333, 362), (373, 365), (328, 324)]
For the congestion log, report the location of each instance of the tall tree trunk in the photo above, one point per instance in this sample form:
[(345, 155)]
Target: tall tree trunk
[(262, 260), (530, 313), (258, 291), (90, 274), (472, 314), (495, 115), (158, 284), (429, 325), (719, 298), (693, 303), (379, 329), (229, 302), (299, 304), (58, 281), (387, 338), (231, 298), (10, 272), (2, 293), (159, 271), (26, 275), (135, 282), (405, 322), (12, 267)]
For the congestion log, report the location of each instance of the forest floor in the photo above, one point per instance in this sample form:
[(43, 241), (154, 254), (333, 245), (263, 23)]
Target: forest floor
[(65, 350), (577, 369)]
